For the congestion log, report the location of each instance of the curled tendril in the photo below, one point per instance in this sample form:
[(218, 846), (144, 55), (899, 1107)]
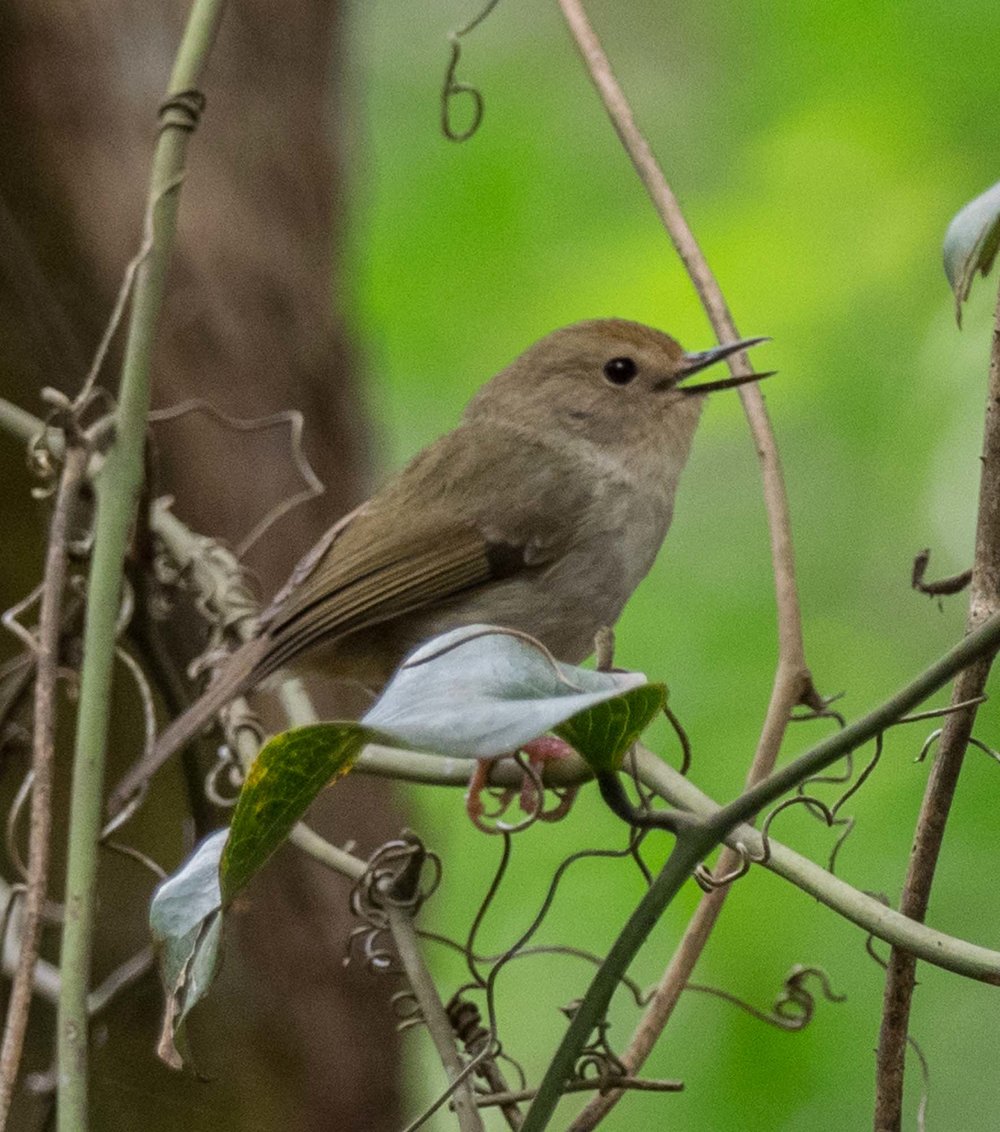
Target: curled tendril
[(406, 1009), (937, 713), (981, 746), (973, 742), (925, 1081), (794, 1006), (829, 815), (137, 855), (290, 418), (814, 805), (823, 712), (682, 738), (871, 940), (928, 743), (467, 1021), (225, 779), (482, 1046), (7, 915), (394, 878), (708, 881), (597, 1053), (9, 619), (13, 817), (532, 798), (451, 88)]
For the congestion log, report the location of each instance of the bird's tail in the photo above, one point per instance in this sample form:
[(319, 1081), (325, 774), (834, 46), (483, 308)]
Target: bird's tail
[(238, 674)]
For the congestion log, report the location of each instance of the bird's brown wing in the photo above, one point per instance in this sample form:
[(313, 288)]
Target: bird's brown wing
[(363, 580), (443, 539)]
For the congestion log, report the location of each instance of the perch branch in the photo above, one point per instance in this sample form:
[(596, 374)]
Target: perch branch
[(984, 601), (871, 915)]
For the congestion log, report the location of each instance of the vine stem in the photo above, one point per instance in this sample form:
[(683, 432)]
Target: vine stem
[(42, 758), (792, 680), (117, 489), (984, 600)]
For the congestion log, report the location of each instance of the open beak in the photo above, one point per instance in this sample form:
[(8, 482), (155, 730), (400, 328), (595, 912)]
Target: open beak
[(694, 363)]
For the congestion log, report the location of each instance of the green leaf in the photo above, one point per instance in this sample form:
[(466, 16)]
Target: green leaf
[(602, 734), (288, 773), (185, 918), (971, 244)]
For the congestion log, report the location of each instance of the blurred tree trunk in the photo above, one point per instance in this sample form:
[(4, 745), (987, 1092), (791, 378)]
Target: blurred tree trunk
[(290, 1040)]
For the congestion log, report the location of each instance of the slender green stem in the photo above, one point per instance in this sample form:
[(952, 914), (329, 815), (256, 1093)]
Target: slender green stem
[(117, 487), (948, 952), (687, 852)]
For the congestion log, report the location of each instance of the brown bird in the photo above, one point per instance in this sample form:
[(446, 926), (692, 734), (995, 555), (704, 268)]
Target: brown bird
[(542, 511)]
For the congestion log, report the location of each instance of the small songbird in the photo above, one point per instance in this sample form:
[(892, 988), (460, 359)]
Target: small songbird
[(542, 511)]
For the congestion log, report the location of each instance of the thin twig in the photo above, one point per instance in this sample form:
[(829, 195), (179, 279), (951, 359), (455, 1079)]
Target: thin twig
[(117, 491), (984, 599), (636, 1084), (792, 681), (434, 1016), (121, 978), (295, 421), (42, 758)]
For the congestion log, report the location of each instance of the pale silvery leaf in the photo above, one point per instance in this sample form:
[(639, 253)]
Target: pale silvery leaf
[(482, 691)]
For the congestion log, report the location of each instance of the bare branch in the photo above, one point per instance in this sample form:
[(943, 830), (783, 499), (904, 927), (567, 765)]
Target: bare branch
[(984, 599), (42, 758)]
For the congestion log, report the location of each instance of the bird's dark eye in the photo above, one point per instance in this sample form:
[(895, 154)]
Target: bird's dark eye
[(620, 371)]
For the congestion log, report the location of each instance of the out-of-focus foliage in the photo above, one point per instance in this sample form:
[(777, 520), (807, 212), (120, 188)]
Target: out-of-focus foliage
[(820, 152)]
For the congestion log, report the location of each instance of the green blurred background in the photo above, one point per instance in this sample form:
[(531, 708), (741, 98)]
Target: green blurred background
[(819, 152)]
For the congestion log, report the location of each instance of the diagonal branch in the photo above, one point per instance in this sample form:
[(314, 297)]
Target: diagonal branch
[(984, 600), (792, 681)]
